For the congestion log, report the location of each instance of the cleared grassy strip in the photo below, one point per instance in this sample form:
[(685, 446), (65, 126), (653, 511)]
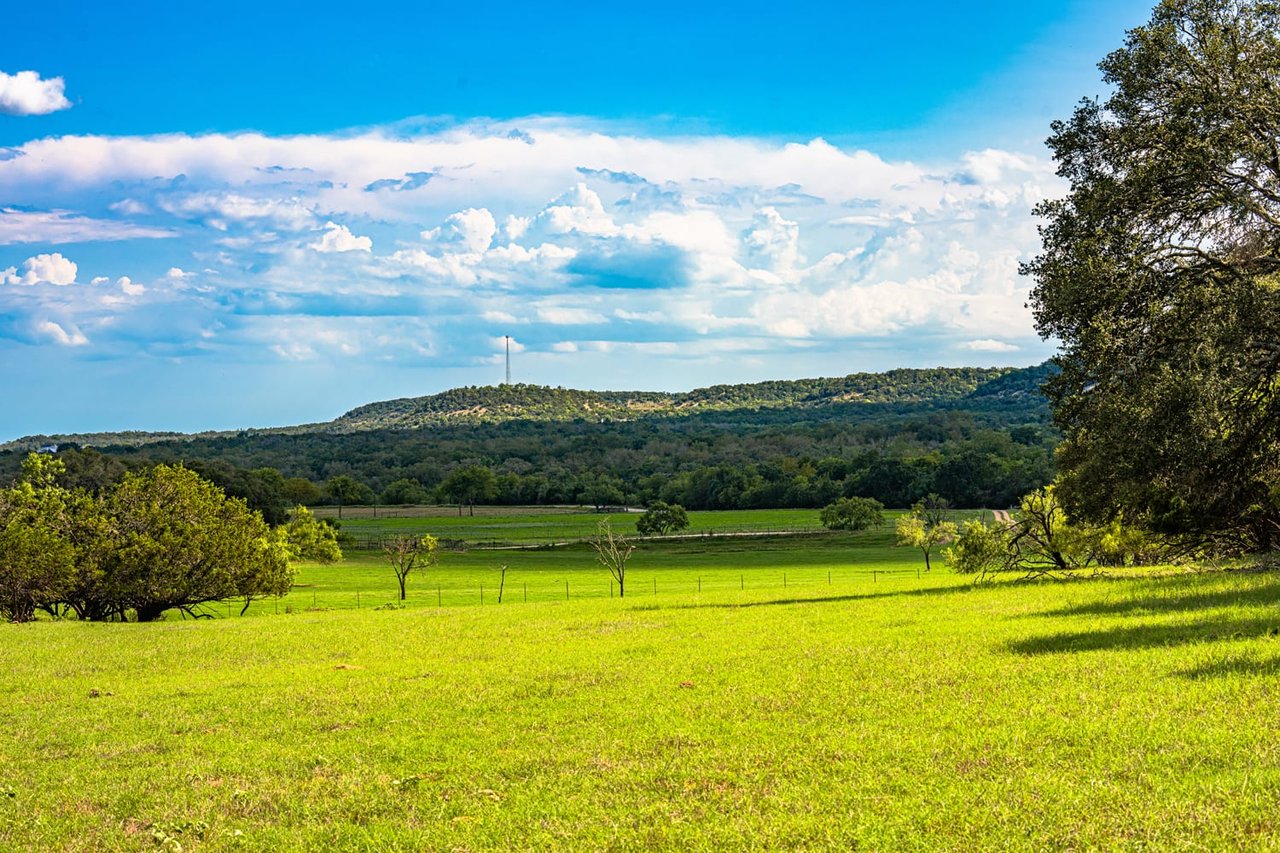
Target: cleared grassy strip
[(364, 579), (526, 525), (1122, 714)]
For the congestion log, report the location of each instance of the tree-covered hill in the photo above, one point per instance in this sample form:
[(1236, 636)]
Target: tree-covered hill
[(980, 437), (501, 403), (495, 404)]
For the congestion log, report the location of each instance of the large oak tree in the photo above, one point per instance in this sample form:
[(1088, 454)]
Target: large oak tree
[(1160, 275)]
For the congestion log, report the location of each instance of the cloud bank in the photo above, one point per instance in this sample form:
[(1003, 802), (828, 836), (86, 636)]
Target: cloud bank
[(418, 248)]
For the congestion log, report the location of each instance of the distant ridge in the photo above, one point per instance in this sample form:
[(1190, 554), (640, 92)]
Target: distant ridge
[(500, 403)]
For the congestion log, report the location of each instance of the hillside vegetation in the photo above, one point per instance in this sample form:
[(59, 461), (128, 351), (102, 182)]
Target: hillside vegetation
[(539, 403), (494, 404)]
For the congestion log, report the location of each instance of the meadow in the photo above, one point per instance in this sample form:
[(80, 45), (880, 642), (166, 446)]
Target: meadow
[(842, 710)]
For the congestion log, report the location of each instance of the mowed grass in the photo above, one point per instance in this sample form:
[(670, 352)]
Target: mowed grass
[(536, 525), (543, 525), (1134, 712), (472, 577)]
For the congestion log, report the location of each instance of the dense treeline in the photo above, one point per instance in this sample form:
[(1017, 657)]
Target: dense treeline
[(987, 449)]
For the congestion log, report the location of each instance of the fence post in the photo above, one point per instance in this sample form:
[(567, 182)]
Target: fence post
[(655, 585), (873, 575), (742, 582), (784, 580), (699, 584), (566, 590), (482, 593), (357, 599), (526, 592)]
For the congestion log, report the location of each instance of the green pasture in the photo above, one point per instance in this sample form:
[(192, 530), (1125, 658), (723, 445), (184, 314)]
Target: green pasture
[(869, 711), (542, 525), (658, 568)]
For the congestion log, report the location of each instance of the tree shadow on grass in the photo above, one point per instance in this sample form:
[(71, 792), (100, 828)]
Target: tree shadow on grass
[(820, 599), (1179, 596), (1147, 636), (1237, 665)]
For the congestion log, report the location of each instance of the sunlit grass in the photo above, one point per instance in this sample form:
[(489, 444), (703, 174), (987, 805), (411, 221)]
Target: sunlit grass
[(887, 713)]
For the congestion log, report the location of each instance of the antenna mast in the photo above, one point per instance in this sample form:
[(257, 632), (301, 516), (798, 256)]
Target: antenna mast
[(507, 339)]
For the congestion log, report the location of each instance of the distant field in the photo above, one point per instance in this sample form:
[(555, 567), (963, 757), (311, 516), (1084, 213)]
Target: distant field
[(824, 561), (1132, 713), (540, 525)]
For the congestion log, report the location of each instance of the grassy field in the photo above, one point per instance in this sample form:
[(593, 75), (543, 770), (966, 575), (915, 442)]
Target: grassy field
[(871, 712), (826, 561), (541, 525)]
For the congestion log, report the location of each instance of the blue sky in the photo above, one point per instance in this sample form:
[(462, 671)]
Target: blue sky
[(257, 214)]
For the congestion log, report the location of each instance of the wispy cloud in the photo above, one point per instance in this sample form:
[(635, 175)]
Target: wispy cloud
[(62, 226)]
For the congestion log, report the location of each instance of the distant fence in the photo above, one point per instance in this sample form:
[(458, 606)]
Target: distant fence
[(541, 589), (373, 541)]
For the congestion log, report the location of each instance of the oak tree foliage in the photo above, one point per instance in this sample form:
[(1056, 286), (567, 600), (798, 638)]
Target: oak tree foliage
[(1160, 275)]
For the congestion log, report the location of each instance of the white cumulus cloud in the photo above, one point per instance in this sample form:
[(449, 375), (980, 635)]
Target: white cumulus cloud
[(469, 230), (53, 268), (26, 94), (66, 337), (338, 238)]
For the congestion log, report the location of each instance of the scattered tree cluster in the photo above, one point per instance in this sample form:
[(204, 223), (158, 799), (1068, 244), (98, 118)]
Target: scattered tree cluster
[(662, 519), (1040, 540), (852, 514), (159, 539)]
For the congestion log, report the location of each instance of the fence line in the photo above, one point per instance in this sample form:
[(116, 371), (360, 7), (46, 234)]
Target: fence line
[(361, 541), (644, 585)]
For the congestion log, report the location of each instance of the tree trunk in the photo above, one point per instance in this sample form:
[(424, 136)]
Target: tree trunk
[(401, 579), (927, 567), (149, 612)]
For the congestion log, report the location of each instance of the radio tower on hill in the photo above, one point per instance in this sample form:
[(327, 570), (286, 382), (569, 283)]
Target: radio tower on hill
[(507, 340)]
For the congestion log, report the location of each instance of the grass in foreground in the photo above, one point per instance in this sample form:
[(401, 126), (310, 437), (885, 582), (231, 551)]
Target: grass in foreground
[(1133, 713)]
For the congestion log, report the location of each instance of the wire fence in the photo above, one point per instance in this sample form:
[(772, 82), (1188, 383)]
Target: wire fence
[(360, 540), (427, 592)]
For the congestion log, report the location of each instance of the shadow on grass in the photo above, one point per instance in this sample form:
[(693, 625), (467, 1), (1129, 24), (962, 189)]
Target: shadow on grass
[(1147, 636), (1178, 595), (820, 599), (1239, 665)]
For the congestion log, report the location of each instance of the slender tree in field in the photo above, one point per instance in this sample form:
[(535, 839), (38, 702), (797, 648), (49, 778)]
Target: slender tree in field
[(405, 553), (613, 551), (1160, 275), (914, 531)]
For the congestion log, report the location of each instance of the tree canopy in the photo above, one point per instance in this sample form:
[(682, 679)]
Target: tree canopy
[(160, 539), (1160, 275), (661, 518)]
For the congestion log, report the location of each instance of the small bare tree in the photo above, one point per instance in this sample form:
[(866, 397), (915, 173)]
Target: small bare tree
[(612, 551), (406, 552)]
